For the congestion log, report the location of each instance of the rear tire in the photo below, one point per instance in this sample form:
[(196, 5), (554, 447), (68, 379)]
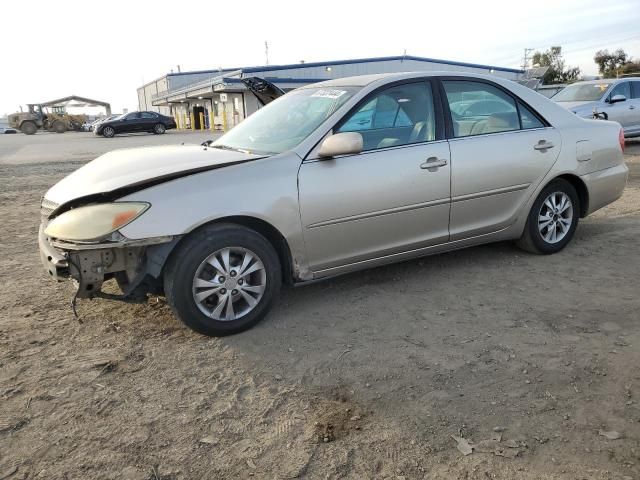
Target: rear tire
[(159, 129), (28, 128), (217, 265), (108, 132), (553, 219)]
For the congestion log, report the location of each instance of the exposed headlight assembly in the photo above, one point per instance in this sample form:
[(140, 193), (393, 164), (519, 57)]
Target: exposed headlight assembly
[(94, 222)]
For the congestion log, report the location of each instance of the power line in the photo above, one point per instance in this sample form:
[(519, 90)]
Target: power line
[(525, 60)]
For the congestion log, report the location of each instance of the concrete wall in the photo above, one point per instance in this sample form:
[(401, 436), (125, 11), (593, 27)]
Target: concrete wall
[(251, 103)]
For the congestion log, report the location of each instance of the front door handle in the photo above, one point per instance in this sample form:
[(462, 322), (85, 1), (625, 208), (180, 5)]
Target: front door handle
[(433, 163), (631, 107), (543, 146)]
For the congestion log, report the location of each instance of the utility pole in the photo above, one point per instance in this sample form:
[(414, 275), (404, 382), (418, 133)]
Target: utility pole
[(266, 52), (525, 60)]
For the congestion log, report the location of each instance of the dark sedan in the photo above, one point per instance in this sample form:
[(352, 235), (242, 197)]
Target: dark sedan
[(133, 122)]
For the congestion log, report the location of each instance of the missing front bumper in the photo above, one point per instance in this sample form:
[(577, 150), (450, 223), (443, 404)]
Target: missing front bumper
[(90, 265)]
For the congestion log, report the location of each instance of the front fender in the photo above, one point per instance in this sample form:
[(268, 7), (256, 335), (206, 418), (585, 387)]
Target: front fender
[(265, 189)]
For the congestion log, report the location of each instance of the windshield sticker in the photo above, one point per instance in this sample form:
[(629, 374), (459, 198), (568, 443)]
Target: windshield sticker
[(602, 86), (327, 93)]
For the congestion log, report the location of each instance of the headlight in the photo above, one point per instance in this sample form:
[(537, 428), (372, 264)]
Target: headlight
[(94, 222)]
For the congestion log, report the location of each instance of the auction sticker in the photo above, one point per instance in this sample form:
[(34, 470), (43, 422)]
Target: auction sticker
[(329, 93)]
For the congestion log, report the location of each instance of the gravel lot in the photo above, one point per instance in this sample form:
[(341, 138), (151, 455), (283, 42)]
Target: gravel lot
[(534, 360)]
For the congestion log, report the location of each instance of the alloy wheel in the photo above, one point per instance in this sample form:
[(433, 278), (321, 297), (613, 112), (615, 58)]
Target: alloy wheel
[(555, 217), (229, 283)]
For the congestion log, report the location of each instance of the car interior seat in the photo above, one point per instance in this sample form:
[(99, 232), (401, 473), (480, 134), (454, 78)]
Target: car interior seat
[(422, 132), (497, 122)]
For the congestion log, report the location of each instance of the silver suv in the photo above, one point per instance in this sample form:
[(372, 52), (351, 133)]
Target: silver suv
[(616, 100)]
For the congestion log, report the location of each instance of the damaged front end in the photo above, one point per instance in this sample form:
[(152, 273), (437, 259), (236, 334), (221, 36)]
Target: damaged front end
[(135, 264)]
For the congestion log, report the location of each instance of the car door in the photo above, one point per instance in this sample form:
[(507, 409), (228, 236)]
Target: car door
[(497, 158), (634, 108), (391, 197), (130, 123), (148, 121), (620, 111)]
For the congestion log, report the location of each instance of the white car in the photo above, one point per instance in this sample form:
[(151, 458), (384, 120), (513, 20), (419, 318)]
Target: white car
[(330, 178)]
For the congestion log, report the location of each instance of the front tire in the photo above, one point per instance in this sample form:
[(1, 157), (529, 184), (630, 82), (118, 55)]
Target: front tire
[(108, 132), (159, 129), (553, 219), (222, 279), (59, 127)]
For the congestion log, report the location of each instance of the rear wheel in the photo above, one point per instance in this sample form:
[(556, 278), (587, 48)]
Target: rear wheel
[(28, 128), (222, 279), (108, 132), (159, 129), (552, 220)]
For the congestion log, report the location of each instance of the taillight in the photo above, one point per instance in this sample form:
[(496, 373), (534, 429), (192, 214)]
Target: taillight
[(621, 139)]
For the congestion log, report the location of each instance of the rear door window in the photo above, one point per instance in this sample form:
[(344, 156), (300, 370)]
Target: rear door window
[(528, 119), (478, 108)]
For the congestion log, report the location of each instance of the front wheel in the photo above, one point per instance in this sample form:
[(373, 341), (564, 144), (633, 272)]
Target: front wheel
[(108, 132), (222, 279), (59, 127), (553, 219), (159, 129)]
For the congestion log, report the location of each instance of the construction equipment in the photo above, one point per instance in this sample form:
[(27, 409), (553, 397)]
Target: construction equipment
[(52, 116), (38, 117)]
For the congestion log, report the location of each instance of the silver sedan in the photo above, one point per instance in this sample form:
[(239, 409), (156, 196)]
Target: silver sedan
[(328, 179)]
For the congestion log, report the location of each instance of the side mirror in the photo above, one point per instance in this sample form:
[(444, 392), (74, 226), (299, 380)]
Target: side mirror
[(617, 98), (347, 143)]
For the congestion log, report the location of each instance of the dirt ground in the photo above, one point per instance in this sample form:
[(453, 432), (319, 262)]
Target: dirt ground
[(531, 359)]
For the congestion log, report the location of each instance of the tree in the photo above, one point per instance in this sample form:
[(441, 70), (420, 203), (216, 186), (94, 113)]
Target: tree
[(630, 68), (557, 72), (610, 63)]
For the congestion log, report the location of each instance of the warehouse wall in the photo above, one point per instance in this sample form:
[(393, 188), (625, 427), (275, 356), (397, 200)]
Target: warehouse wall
[(146, 92)]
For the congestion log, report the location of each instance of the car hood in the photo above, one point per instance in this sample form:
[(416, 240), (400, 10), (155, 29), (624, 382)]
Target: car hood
[(575, 105), (130, 169)]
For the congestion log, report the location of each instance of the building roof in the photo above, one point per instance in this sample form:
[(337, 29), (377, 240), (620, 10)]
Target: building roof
[(266, 68), (233, 75)]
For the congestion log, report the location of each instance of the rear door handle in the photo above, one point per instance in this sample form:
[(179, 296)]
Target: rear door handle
[(543, 145), (433, 163), (631, 107)]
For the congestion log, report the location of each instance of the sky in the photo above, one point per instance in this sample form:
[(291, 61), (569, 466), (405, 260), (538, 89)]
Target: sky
[(105, 50)]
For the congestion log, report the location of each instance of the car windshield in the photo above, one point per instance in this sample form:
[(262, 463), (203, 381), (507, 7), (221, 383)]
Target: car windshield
[(584, 92), (285, 122)]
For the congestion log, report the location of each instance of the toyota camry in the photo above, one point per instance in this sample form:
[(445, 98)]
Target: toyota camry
[(327, 179)]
